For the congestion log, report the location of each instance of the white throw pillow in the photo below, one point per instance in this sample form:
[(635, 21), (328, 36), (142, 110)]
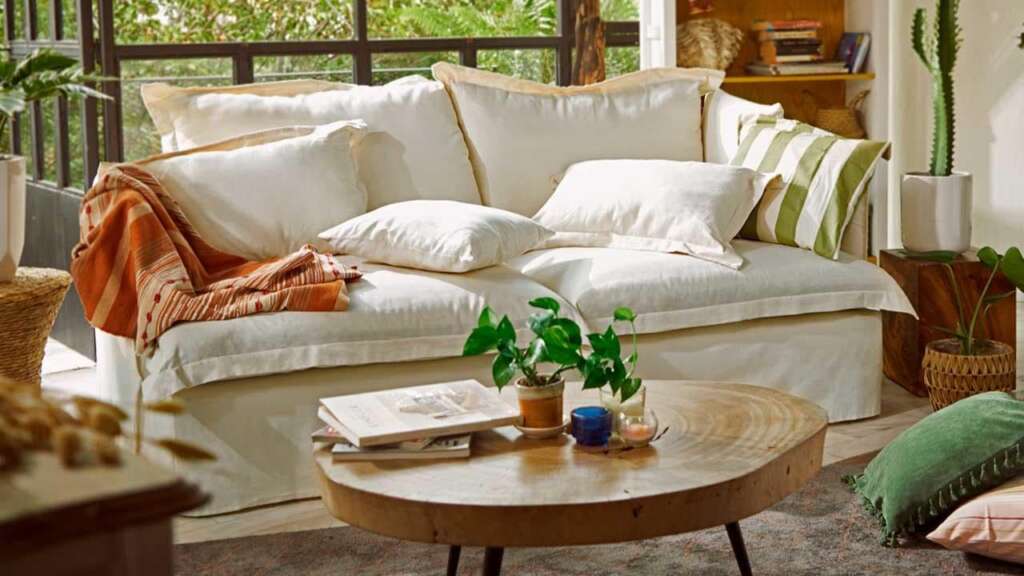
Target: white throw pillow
[(437, 235), (414, 148), (266, 194), (658, 205), (521, 135)]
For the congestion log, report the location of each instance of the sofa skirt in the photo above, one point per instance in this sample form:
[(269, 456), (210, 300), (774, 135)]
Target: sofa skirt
[(260, 427)]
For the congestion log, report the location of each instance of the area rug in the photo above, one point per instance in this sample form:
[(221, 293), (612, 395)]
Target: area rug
[(817, 531)]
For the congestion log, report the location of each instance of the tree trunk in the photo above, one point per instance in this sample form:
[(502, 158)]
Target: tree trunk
[(588, 66)]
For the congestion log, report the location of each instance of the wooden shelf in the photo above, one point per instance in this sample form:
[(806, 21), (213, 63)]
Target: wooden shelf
[(744, 79)]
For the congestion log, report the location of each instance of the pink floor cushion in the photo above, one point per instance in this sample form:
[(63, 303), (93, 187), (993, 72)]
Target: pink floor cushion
[(991, 524)]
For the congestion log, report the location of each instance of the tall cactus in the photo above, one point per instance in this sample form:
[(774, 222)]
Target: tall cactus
[(937, 46)]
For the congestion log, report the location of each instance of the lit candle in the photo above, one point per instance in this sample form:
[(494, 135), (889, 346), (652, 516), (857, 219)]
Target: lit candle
[(637, 433)]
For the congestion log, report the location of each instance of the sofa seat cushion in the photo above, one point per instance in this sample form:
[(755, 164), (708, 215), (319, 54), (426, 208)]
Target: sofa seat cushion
[(394, 315), (675, 291)]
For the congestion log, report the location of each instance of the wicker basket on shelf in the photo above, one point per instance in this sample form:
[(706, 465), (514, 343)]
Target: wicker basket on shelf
[(951, 376), (28, 307), (843, 121)]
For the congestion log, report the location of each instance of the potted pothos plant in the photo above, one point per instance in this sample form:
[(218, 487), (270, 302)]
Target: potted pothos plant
[(40, 75), (555, 349), (967, 363)]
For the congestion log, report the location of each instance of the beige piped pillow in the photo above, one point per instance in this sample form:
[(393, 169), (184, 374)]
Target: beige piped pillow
[(413, 149), (521, 134), (655, 205), (266, 194)]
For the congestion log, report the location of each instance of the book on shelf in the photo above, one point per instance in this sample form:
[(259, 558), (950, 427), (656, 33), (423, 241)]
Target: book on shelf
[(390, 416), (853, 50), (777, 25), (777, 35), (796, 69)]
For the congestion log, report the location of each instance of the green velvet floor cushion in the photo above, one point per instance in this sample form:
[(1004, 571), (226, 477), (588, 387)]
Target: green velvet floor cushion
[(951, 455)]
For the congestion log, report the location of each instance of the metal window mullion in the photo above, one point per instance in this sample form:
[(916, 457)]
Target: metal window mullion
[(242, 66), (90, 108), (36, 128), (31, 21), (468, 54), (566, 31), (362, 63), (113, 140), (62, 146), (9, 24)]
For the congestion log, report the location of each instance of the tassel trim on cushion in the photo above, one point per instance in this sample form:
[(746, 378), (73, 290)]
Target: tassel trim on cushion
[(991, 472)]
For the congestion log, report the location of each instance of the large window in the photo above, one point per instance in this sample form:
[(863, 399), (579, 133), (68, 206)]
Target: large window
[(220, 42)]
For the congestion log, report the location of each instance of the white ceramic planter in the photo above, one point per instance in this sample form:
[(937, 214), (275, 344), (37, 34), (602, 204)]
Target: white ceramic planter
[(12, 215), (936, 212)]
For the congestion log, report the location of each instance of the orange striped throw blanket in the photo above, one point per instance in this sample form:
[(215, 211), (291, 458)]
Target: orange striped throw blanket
[(141, 268)]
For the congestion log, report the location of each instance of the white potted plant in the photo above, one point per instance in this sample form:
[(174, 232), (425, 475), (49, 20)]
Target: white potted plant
[(39, 76), (936, 205)]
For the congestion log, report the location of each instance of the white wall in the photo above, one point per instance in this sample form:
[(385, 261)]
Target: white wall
[(989, 111)]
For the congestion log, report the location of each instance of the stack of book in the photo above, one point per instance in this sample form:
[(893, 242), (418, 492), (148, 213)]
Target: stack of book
[(422, 422), (791, 47)]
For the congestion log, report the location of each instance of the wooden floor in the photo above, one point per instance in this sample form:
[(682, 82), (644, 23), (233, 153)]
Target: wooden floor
[(63, 369)]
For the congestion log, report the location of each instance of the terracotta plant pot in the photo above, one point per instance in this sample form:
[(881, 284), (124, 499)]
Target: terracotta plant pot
[(951, 376), (540, 406)]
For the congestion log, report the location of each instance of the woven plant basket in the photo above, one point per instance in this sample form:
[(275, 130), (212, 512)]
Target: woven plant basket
[(28, 307), (951, 376)]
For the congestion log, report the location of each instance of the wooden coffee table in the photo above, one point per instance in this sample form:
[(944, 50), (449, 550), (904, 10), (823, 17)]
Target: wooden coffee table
[(730, 452)]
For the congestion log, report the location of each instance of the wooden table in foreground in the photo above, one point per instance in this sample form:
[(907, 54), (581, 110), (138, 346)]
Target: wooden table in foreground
[(90, 520), (730, 452)]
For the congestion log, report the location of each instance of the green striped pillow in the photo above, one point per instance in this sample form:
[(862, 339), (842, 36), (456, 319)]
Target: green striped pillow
[(824, 176)]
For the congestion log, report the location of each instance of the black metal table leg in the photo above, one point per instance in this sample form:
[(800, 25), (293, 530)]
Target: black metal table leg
[(492, 561), (739, 549), (453, 560)]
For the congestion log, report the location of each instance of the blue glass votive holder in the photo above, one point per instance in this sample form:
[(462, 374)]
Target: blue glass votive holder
[(591, 426)]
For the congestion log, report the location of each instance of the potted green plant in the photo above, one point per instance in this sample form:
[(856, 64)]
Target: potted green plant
[(936, 205), (557, 344), (40, 75), (966, 364)]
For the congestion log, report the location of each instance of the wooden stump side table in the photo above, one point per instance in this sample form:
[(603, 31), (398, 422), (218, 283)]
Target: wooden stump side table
[(28, 307), (927, 285)]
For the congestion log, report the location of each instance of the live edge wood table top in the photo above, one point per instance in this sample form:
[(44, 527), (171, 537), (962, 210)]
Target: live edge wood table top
[(730, 451)]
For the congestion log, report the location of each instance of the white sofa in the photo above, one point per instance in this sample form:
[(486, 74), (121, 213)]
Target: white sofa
[(788, 319)]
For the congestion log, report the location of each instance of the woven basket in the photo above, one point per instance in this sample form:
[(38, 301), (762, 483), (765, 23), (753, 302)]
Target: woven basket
[(951, 376), (28, 307), (707, 43), (843, 121)]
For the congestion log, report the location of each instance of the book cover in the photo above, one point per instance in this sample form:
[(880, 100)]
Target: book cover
[(438, 448), (862, 54), (764, 69), (847, 50), (772, 25), (773, 53), (777, 35), (390, 416)]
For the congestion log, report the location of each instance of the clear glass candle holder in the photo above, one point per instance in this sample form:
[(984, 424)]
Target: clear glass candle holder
[(638, 430), (634, 406)]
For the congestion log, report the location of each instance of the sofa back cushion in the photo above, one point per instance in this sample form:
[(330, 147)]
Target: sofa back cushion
[(523, 135), (266, 194), (413, 148), (724, 115)]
